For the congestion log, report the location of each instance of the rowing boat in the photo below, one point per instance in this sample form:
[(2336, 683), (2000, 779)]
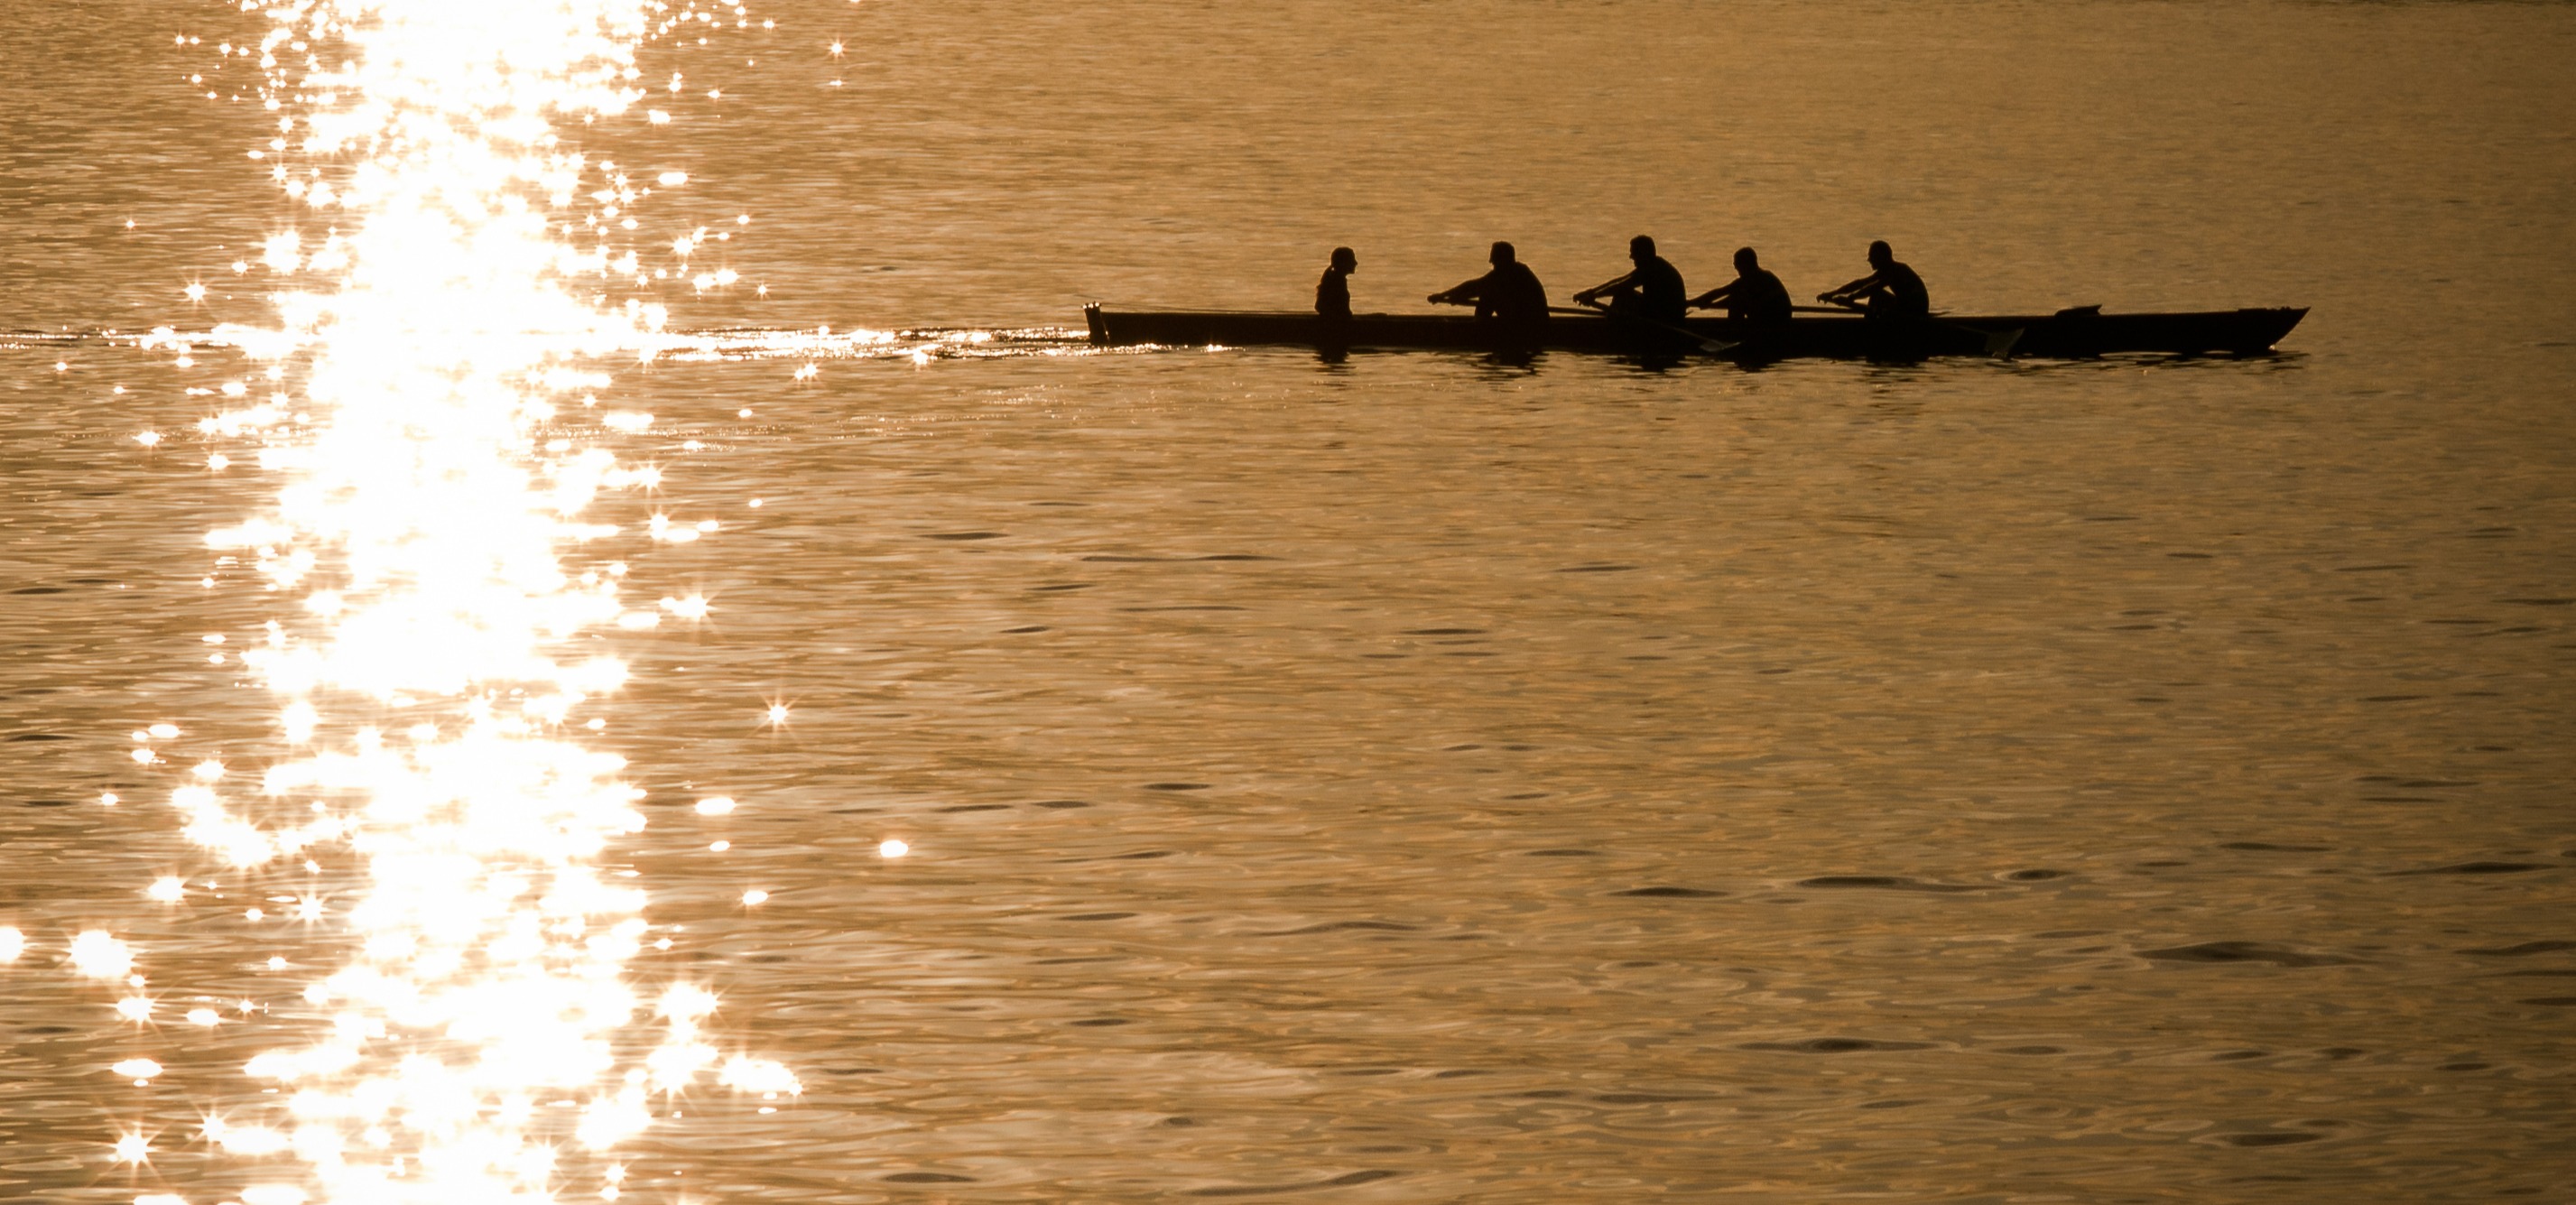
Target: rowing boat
[(2067, 334)]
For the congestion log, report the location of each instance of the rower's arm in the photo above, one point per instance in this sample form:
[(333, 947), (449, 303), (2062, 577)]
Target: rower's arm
[(1854, 289), (1467, 293), (1713, 298), (1608, 286)]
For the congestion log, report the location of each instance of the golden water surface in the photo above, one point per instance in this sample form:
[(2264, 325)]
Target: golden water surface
[(1420, 778)]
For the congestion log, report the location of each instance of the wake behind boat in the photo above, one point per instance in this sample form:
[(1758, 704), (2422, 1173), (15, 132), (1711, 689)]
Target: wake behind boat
[(2077, 333)]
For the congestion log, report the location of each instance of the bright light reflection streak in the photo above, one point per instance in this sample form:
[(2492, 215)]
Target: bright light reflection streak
[(424, 688)]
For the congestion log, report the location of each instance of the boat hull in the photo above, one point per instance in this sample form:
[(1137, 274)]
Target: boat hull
[(2065, 334)]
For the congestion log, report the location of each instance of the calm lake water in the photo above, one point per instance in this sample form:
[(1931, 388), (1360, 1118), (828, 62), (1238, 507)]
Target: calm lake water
[(1426, 779)]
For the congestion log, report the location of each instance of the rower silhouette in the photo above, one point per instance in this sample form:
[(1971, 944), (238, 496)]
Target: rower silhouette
[(1755, 295), (1333, 292), (1509, 296), (1652, 290), (1891, 290)]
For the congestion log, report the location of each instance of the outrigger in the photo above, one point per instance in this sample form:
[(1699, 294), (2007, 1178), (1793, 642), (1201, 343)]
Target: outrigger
[(2078, 333)]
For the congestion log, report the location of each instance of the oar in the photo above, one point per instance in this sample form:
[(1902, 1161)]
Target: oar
[(1999, 344), (1714, 347)]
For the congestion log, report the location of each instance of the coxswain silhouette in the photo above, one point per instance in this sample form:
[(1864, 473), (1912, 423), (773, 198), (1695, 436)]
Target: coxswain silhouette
[(1891, 290), (1510, 296), (1333, 292), (1652, 290), (1755, 295)]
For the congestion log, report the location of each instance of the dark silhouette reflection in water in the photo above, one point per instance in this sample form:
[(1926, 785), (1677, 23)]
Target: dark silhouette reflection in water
[(1510, 363)]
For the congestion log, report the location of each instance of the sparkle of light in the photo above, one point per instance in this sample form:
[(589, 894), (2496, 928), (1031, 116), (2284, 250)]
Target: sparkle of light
[(97, 954), (437, 311)]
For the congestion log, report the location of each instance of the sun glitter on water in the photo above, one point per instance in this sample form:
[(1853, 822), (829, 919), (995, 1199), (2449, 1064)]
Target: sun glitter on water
[(448, 308)]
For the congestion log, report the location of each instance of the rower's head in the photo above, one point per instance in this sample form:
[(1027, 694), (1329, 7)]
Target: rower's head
[(1344, 261), (1502, 254), (1880, 255), (1641, 248), (1745, 260)]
